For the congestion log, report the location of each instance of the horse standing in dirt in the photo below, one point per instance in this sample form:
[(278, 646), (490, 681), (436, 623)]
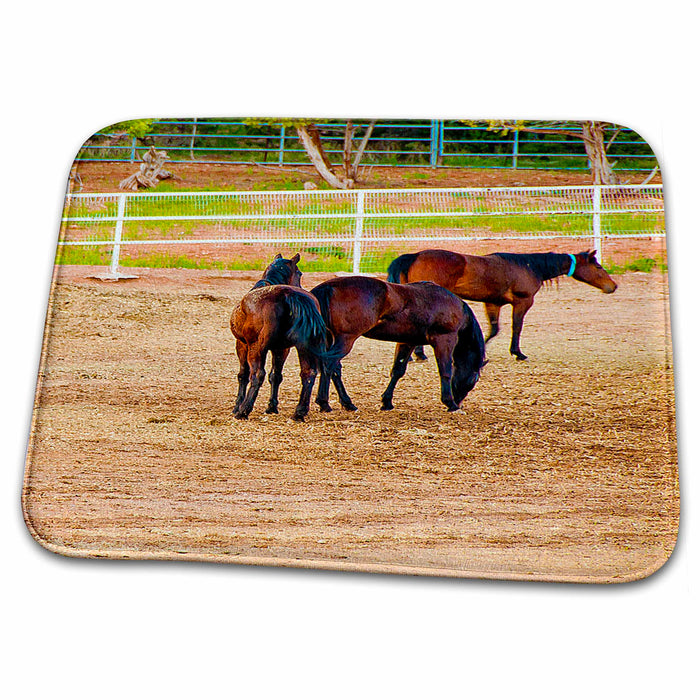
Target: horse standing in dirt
[(499, 279), (407, 314), (275, 316)]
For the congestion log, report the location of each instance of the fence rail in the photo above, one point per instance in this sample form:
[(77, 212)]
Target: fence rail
[(434, 143), (355, 230)]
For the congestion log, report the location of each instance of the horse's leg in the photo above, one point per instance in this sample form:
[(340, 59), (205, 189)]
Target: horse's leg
[(345, 400), (256, 360), (444, 346), (340, 348), (493, 311), (308, 365), (324, 385), (279, 357), (403, 352), (419, 354), (243, 373), (520, 308)]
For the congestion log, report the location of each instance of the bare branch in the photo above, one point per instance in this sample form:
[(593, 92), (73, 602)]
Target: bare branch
[(612, 138), (361, 148), (150, 172), (347, 148), (309, 137), (648, 179)]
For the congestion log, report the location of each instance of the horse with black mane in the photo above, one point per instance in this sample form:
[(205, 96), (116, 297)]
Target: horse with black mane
[(498, 279), (275, 316), (407, 314)]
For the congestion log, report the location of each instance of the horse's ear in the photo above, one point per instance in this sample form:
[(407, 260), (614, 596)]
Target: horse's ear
[(296, 258), (277, 257)]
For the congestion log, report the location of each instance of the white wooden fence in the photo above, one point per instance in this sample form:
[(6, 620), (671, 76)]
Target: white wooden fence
[(357, 225)]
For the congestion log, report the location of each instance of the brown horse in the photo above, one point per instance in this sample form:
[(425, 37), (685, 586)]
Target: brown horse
[(499, 279), (275, 316), (407, 314)]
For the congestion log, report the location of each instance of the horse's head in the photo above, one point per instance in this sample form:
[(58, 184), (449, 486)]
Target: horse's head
[(590, 271), (282, 271)]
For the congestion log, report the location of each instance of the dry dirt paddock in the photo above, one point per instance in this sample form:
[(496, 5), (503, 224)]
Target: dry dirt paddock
[(561, 468)]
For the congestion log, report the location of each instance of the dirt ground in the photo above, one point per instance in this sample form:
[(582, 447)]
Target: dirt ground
[(105, 177), (559, 468)]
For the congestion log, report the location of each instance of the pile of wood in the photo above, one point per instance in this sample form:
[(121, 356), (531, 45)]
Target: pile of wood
[(150, 172)]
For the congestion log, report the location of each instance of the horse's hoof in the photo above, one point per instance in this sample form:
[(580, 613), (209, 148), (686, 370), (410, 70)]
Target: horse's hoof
[(298, 417), (271, 409), (520, 356), (325, 408), (350, 407), (387, 407), (240, 416)]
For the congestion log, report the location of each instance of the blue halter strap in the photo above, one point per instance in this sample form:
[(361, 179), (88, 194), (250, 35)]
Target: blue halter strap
[(572, 269)]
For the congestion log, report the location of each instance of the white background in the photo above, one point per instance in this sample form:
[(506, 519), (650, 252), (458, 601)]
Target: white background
[(81, 629)]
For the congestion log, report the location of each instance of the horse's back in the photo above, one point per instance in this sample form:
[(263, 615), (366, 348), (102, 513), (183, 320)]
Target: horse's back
[(488, 278), (424, 307), (443, 267), (469, 276), (261, 310), (351, 303), (432, 301)]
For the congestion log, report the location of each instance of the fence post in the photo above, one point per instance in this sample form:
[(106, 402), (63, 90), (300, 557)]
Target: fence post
[(281, 157), (597, 237), (433, 143), (515, 150), (192, 138), (359, 225), (132, 158), (121, 208)]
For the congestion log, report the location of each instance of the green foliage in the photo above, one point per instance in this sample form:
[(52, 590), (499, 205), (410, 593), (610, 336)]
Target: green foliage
[(315, 259), (638, 265), (79, 255), (285, 122), (170, 260), (327, 251), (134, 127)]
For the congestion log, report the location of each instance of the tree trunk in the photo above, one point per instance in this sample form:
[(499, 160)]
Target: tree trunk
[(150, 172), (593, 138), (311, 140), (347, 150), (594, 142), (361, 150)]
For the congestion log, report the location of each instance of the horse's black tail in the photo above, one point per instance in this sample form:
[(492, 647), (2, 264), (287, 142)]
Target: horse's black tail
[(307, 328), (399, 267), (469, 356), (324, 294)]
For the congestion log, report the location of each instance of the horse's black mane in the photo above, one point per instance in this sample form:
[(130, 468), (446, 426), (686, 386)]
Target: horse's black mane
[(546, 266), (276, 274)]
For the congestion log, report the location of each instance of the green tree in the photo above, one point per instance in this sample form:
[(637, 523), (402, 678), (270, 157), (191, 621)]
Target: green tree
[(592, 133), (137, 128), (309, 132)]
